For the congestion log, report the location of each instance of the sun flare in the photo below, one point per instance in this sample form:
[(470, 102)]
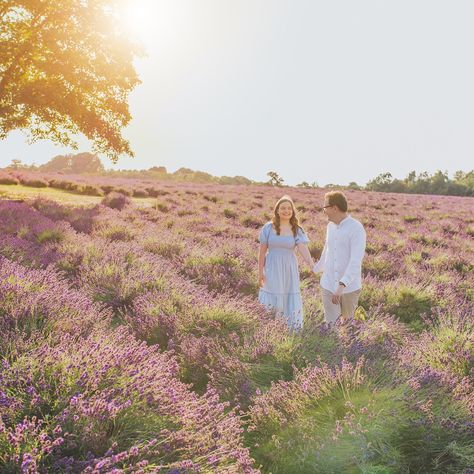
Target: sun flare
[(139, 18)]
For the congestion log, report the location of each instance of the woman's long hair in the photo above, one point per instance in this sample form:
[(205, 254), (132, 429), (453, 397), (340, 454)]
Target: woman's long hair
[(294, 221)]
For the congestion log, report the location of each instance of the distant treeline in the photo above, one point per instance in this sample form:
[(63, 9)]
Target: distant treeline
[(88, 163), (461, 183)]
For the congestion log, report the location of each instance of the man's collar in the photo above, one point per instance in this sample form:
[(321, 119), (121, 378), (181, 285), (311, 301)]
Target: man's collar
[(347, 218)]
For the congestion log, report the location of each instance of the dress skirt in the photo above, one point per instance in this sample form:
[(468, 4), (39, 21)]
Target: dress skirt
[(281, 291)]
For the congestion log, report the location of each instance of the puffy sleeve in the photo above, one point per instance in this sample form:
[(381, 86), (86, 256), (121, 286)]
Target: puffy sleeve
[(264, 233), (301, 237)]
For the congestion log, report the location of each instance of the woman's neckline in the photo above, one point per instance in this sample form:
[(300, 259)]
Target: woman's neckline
[(282, 235)]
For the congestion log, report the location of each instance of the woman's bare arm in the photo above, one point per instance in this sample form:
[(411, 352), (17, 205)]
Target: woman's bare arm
[(261, 263), (304, 252)]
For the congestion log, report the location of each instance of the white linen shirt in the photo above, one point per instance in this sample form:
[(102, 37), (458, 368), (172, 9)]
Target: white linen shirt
[(341, 259)]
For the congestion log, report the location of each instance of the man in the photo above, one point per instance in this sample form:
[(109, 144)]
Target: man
[(341, 259)]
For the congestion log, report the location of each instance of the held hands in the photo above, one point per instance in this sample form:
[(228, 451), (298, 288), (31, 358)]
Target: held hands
[(336, 297)]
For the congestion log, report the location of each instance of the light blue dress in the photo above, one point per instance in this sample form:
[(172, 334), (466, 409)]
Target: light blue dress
[(281, 291)]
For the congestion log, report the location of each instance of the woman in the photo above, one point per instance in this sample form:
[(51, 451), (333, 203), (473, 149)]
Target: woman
[(278, 269)]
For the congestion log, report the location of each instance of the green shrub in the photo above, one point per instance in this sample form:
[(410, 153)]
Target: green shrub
[(116, 233), (122, 190), (140, 193), (185, 212), (165, 249), (162, 207), (409, 304), (451, 262), (154, 192), (107, 188), (230, 214), (380, 267), (6, 179), (50, 235), (417, 257), (426, 240), (89, 190), (213, 199), (116, 200), (251, 222), (412, 219), (34, 182)]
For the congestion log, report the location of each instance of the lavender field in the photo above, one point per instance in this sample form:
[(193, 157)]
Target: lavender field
[(132, 341)]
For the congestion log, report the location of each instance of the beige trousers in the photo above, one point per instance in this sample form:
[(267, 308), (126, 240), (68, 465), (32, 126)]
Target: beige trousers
[(349, 303)]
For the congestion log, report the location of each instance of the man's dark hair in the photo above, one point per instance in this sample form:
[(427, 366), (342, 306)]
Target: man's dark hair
[(337, 198)]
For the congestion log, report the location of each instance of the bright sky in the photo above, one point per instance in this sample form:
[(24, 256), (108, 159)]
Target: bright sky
[(326, 91)]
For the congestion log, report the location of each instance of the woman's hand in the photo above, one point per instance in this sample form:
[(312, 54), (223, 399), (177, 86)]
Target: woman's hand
[(261, 264)]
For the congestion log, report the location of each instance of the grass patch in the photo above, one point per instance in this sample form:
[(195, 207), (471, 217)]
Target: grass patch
[(220, 321), (406, 303), (367, 429), (62, 196), (449, 345)]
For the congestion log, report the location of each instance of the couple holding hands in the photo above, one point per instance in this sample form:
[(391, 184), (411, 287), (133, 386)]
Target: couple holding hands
[(340, 261)]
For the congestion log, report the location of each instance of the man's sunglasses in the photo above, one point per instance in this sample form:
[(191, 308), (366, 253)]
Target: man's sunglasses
[(325, 207)]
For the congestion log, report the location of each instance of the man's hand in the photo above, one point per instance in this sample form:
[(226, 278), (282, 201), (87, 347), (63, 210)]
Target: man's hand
[(261, 280), (336, 297)]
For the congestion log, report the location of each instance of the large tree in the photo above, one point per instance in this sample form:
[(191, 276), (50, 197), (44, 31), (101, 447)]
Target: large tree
[(275, 178), (86, 163), (66, 68), (58, 163), (79, 163)]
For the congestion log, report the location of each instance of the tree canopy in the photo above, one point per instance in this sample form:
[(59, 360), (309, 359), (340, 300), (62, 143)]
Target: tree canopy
[(275, 179), (79, 163), (66, 68)]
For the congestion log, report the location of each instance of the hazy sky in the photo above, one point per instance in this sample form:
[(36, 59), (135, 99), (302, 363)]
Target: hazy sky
[(327, 91)]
